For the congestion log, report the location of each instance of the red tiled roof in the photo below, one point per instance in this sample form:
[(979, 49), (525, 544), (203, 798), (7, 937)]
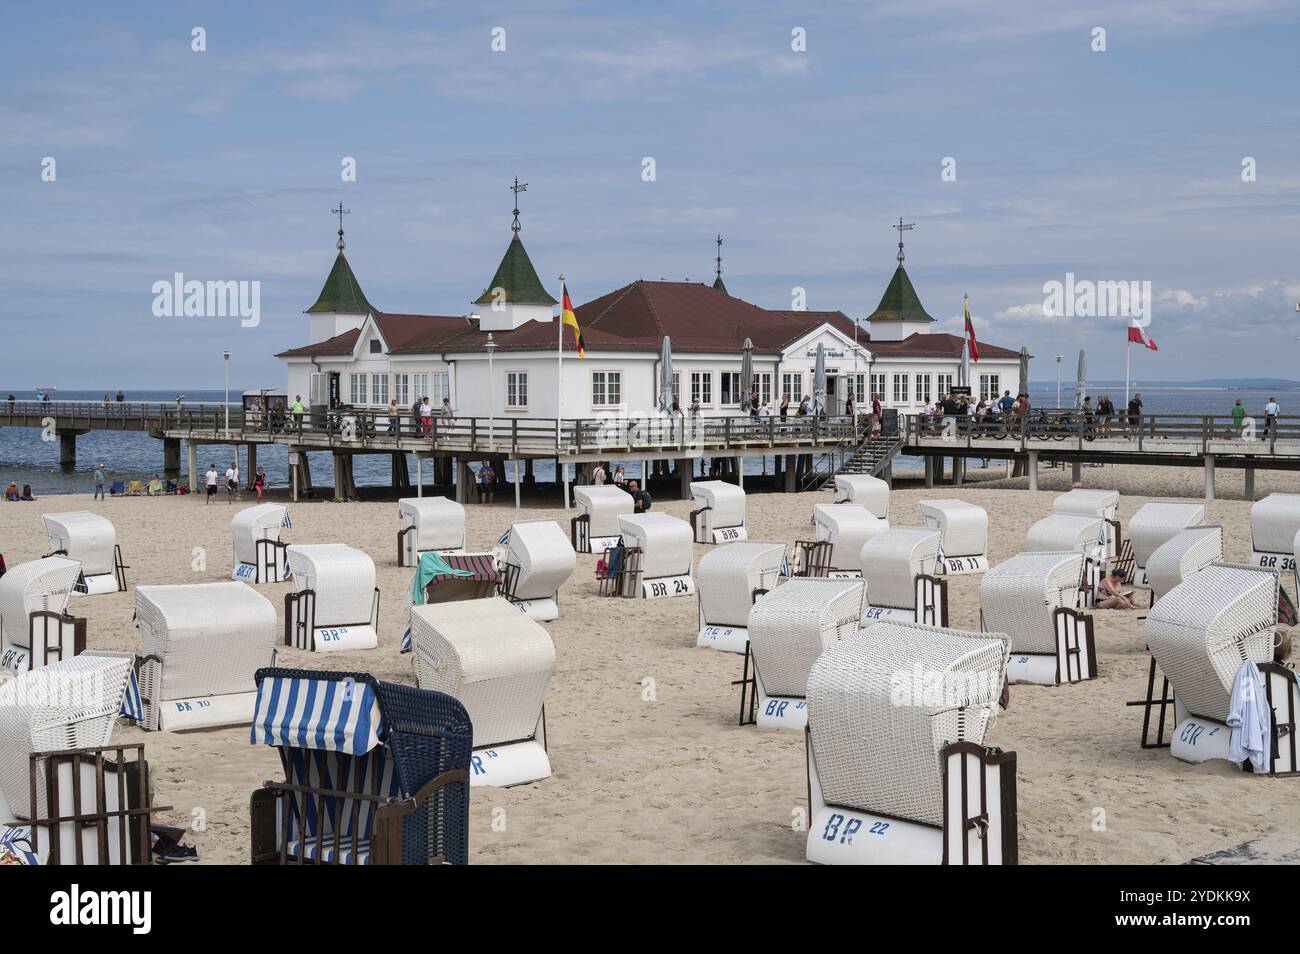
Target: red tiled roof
[(935, 345), (636, 317)]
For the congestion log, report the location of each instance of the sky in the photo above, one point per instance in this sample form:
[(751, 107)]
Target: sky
[(800, 132)]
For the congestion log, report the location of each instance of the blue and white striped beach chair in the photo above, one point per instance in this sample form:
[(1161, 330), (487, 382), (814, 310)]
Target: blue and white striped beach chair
[(375, 772)]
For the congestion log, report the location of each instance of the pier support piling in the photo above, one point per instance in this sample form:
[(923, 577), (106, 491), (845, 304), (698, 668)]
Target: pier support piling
[(252, 465), (1209, 476), (518, 467), (929, 472), (1032, 468), (1076, 474), (1250, 483), (685, 470), (67, 450), (789, 469), (171, 455), (192, 464)]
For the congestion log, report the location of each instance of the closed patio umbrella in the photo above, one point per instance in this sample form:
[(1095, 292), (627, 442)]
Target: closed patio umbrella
[(819, 382), (746, 372), (1024, 370), (666, 377), (963, 368), (1081, 381)]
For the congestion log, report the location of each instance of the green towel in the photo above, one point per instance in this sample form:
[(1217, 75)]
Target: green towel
[(431, 565)]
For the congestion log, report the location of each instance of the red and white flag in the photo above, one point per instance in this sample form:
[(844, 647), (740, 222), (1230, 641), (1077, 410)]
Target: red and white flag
[(1138, 335)]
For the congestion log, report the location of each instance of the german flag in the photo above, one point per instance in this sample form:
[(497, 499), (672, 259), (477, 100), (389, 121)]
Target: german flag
[(570, 319)]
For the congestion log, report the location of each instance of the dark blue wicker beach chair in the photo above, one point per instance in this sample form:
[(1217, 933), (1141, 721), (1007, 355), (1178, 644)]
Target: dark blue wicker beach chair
[(375, 772)]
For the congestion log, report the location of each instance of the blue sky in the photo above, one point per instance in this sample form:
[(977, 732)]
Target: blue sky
[(1115, 165)]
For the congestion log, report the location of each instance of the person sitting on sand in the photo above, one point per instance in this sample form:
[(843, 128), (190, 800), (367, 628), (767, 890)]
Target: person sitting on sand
[(27, 492), (1111, 595), (155, 487), (11, 492)]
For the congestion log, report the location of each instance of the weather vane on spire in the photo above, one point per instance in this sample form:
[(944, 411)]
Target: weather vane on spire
[(340, 212), (516, 189), (718, 270), (901, 229)]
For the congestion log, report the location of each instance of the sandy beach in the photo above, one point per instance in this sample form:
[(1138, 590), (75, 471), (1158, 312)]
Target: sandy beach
[(649, 763)]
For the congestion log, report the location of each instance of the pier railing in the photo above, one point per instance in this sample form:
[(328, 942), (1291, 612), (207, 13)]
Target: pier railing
[(361, 429), (1045, 430)]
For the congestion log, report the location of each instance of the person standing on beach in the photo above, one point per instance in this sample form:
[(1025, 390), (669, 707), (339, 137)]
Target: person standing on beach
[(232, 482), (486, 483), (1271, 411), (101, 480), (210, 481), (259, 483), (1238, 417)]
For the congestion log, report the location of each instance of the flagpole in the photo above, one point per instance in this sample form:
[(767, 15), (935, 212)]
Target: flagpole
[(1128, 351), (559, 375)]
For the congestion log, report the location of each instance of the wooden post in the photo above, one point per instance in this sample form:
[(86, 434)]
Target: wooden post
[(1076, 474), (192, 457), (518, 465), (685, 470), (1033, 470), (1209, 476), (1250, 483)]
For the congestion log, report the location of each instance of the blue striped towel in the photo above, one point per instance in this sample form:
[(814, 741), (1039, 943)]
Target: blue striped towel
[(406, 640), (504, 539), (132, 705), (19, 841), (286, 522)]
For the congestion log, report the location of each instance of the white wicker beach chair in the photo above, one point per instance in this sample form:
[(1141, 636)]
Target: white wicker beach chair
[(897, 769), (1094, 503), (965, 529), (1183, 554), (258, 551), (65, 705), (900, 567), (34, 618), (200, 645), (864, 491), (498, 664), (666, 547), (1199, 633), (538, 559), (1274, 524), (730, 579), (719, 514), (1065, 531), (1034, 599), (788, 629), (429, 523), (599, 506), (335, 603), (846, 527), (1157, 523), (91, 540)]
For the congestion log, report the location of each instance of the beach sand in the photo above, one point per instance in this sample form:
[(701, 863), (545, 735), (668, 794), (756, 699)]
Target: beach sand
[(667, 775)]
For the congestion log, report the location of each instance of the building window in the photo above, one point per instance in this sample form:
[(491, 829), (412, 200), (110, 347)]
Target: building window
[(988, 386), (402, 389), (764, 381), (379, 389), (945, 385), (606, 388), (730, 395), (376, 347), (702, 387), (441, 388), (358, 388), (900, 389), (792, 385), (858, 388), (419, 387), (877, 386), (516, 390), (677, 387), (923, 392)]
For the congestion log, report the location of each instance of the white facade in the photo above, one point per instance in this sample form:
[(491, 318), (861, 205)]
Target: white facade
[(524, 383)]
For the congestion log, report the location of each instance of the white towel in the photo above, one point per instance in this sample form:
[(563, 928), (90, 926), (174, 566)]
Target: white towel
[(1250, 721)]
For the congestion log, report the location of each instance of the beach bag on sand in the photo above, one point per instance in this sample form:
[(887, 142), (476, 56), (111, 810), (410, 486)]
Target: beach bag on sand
[(601, 570)]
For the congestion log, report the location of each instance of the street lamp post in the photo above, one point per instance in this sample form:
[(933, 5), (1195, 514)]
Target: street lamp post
[(226, 358), (1058, 380), (491, 346)]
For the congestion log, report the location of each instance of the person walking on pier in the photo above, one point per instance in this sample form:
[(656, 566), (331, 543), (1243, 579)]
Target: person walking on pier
[(1135, 412), (392, 417), (1271, 411), (101, 481), (297, 410), (1238, 417)]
